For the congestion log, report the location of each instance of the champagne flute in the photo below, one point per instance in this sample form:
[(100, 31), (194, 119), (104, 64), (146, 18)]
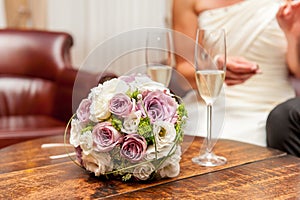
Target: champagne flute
[(159, 56), (210, 64)]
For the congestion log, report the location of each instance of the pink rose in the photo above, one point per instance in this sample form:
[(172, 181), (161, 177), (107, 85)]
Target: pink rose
[(134, 147), (159, 106), (83, 111), (120, 105), (105, 137)]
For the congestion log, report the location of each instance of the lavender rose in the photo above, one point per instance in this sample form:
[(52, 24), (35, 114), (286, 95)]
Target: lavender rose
[(105, 137), (159, 107), (134, 147), (120, 105), (83, 111)]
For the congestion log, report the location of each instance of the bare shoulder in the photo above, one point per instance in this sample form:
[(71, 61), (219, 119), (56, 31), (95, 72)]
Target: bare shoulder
[(184, 5)]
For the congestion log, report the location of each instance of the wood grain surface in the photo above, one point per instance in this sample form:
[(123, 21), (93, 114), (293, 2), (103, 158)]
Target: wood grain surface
[(278, 178), (26, 172)]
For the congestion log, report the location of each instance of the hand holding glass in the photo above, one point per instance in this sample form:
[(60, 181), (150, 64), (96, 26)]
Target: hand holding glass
[(210, 63), (158, 56)]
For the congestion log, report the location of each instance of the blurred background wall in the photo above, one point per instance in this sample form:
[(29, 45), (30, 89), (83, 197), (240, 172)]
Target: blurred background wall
[(90, 22), (2, 14)]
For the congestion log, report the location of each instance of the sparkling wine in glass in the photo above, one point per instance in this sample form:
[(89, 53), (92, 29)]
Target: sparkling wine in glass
[(210, 64), (159, 56)]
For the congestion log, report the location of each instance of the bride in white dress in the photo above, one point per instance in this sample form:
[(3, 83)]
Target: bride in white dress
[(254, 39)]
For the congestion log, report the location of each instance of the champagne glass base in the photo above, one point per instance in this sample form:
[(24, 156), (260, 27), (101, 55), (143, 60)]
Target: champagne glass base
[(209, 160)]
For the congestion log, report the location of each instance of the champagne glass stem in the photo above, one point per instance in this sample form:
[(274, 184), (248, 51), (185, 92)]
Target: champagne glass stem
[(210, 48), (209, 129)]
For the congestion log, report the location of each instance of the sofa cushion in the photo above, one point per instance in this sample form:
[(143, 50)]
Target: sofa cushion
[(26, 95)]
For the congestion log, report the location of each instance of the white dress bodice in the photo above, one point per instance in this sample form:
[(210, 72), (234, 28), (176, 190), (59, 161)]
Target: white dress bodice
[(252, 32)]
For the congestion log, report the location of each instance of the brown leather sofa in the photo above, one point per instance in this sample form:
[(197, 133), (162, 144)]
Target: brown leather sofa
[(36, 83)]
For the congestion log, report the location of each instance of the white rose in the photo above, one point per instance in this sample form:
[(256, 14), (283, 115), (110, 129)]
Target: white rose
[(131, 123), (96, 91), (137, 79), (171, 167), (99, 106), (101, 95), (115, 86), (164, 133), (171, 170), (152, 154), (75, 132), (86, 142), (144, 83), (99, 163), (143, 171), (99, 109)]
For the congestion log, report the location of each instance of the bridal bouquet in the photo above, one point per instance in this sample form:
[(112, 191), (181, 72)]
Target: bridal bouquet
[(129, 127)]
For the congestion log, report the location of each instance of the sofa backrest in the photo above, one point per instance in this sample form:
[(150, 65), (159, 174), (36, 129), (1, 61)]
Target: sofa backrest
[(31, 65)]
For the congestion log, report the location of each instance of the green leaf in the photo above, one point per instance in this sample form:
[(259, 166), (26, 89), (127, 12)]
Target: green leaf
[(126, 177), (87, 128), (135, 94), (116, 123), (145, 130)]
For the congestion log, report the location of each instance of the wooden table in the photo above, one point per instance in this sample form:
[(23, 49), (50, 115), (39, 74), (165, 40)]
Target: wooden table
[(252, 172)]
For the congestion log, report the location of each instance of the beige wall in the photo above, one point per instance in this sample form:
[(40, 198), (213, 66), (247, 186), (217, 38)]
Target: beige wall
[(26, 13), (90, 22), (39, 13), (2, 14)]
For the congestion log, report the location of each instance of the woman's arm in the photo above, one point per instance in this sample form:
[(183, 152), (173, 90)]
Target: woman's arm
[(288, 17), (185, 23)]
